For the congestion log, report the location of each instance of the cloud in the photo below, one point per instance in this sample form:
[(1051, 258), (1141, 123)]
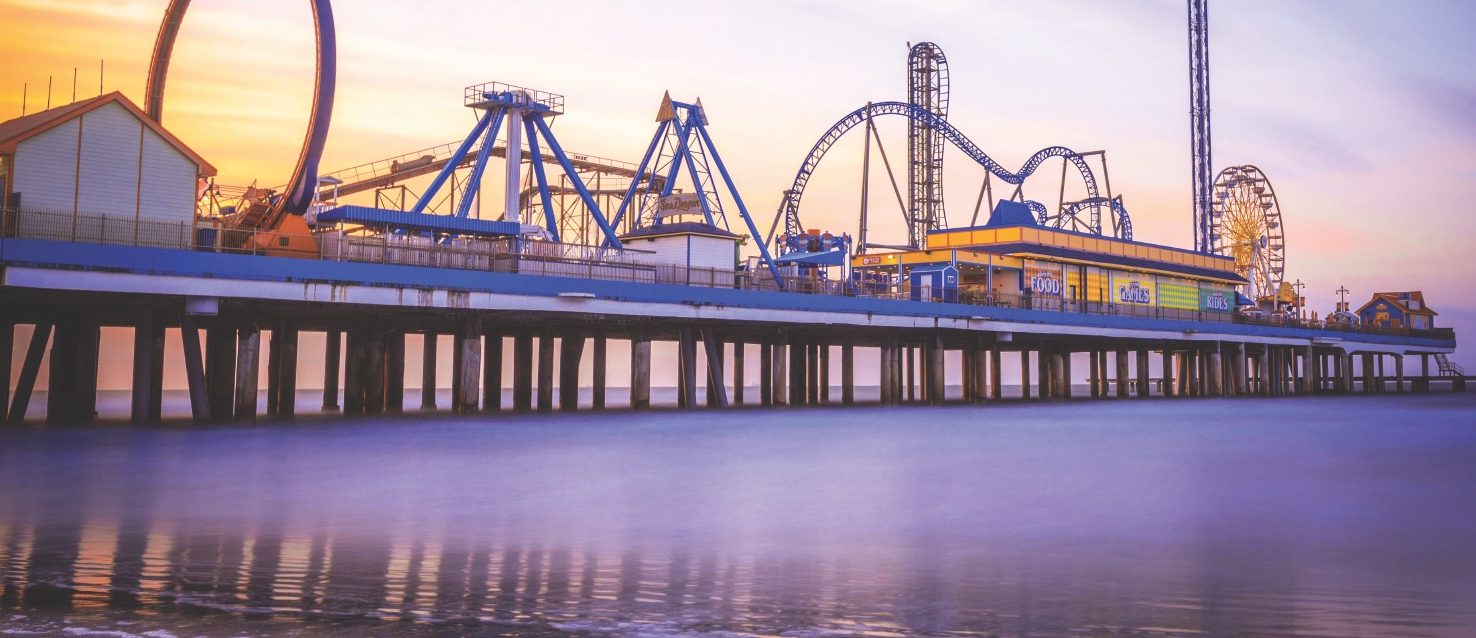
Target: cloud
[(1453, 104), (113, 9)]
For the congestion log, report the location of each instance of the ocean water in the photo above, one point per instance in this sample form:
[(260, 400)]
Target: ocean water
[(1333, 517)]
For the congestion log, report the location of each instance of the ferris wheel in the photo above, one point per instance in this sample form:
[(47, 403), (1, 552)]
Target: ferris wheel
[(1247, 227)]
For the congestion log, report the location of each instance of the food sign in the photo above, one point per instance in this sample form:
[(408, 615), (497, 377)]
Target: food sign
[(1042, 279)]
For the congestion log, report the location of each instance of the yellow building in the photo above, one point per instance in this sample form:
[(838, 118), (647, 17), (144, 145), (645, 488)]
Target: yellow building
[(1047, 268)]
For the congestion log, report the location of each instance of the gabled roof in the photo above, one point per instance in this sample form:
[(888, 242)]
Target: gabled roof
[(13, 132), (679, 228), (1401, 301)]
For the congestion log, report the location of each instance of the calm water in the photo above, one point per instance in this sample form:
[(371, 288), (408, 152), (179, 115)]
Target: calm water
[(1298, 517)]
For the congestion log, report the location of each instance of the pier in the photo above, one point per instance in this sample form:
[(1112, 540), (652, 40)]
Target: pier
[(238, 312)]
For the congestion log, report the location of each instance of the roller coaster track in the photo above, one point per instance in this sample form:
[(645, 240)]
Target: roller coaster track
[(789, 206), (392, 170), (1122, 223)]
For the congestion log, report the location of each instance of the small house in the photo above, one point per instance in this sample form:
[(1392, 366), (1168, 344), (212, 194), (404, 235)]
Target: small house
[(1397, 311), (95, 162)]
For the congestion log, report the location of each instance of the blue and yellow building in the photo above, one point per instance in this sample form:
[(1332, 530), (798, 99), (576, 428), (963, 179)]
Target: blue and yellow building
[(1027, 265)]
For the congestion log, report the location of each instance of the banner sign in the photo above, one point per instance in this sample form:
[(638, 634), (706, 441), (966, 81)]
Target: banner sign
[(1042, 279), (1213, 300), (1134, 290)]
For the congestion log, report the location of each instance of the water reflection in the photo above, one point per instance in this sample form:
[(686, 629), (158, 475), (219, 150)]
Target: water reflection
[(652, 528)]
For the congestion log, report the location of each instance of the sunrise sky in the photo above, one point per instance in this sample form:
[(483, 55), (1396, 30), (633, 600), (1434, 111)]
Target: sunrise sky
[(1362, 113)]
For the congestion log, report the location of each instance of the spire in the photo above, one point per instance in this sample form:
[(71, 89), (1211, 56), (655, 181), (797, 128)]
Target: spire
[(667, 111)]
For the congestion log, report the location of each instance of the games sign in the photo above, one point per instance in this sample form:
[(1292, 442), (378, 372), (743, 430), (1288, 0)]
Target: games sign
[(1133, 290)]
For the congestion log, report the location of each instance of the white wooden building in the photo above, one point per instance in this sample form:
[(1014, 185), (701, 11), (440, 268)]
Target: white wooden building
[(102, 160), (699, 253)]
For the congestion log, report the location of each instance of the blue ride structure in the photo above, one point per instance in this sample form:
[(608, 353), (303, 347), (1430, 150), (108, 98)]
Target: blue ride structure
[(682, 146)]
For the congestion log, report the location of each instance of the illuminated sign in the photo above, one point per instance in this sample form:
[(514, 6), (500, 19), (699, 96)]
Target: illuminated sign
[(1134, 290), (1045, 282), (1135, 293), (1214, 300), (871, 260)]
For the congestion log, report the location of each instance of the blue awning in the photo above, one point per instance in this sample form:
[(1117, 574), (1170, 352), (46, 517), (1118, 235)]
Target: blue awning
[(827, 258), (417, 222), (1242, 300)]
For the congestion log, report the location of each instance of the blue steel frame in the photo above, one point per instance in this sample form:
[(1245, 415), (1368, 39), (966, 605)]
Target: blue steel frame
[(497, 106), (683, 155)]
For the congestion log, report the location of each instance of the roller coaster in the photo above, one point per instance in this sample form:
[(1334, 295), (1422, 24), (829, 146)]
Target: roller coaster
[(1068, 217), (928, 131)]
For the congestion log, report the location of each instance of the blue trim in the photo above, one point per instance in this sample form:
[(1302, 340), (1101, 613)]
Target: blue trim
[(161, 261), (416, 222)]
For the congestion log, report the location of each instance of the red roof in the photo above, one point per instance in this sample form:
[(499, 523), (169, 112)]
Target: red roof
[(13, 132)]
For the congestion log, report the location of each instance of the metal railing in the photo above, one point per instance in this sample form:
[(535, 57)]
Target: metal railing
[(573, 261)]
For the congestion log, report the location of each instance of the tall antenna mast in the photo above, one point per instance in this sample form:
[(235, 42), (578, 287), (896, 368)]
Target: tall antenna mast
[(1199, 123)]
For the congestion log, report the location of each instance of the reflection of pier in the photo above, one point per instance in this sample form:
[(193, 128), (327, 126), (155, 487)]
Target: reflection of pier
[(467, 581)]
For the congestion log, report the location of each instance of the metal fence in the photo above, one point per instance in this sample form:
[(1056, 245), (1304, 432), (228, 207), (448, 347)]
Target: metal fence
[(572, 261)]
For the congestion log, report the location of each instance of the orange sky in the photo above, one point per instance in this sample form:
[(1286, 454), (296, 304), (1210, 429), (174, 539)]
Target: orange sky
[(1359, 115)]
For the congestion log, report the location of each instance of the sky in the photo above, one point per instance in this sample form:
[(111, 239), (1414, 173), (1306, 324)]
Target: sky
[(1361, 113)]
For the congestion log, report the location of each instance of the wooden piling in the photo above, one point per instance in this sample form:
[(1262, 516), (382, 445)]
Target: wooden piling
[(523, 371), (824, 372), (686, 368), (491, 370), (333, 342), (189, 336), (372, 372), (148, 368), (428, 352), (738, 373), (571, 352), (600, 366), (766, 374), (1024, 374), (640, 372), (248, 369), (717, 391), (394, 371), (220, 368), (848, 374), (545, 371)]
